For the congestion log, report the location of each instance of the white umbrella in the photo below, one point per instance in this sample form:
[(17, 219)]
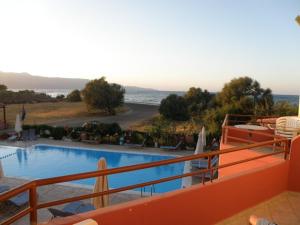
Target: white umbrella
[(101, 185), (203, 136), (1, 170), (18, 124), (199, 146)]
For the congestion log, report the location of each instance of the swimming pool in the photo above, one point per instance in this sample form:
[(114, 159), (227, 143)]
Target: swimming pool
[(44, 161)]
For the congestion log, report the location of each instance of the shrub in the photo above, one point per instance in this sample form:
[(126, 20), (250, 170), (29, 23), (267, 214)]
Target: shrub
[(58, 133), (3, 87), (197, 100), (25, 96), (45, 131), (114, 128), (74, 96), (108, 129), (174, 107), (60, 97), (284, 108), (75, 133), (137, 137), (99, 94)]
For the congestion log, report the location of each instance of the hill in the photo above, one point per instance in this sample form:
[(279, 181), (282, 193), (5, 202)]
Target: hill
[(27, 81)]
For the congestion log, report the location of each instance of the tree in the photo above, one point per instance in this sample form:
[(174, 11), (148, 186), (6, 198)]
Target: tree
[(240, 96), (284, 108), (74, 96), (265, 103), (158, 127), (3, 87), (197, 100), (247, 96), (174, 107), (99, 94)]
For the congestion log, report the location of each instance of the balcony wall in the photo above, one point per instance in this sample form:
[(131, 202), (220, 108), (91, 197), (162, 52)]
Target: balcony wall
[(199, 204), (294, 172), (205, 204)]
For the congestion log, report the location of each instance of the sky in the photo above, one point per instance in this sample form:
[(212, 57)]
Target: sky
[(162, 44)]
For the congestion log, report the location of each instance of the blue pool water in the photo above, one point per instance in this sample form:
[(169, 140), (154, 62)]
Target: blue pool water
[(44, 161)]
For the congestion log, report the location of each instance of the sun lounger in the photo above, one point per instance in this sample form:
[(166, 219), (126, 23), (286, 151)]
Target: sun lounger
[(25, 135), (136, 145), (203, 164), (172, 147), (4, 188), (13, 138), (72, 209), (32, 136), (20, 199)]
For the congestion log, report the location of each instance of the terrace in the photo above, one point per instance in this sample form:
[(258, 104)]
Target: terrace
[(258, 174)]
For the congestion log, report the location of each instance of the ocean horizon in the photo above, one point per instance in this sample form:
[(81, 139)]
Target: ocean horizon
[(154, 97)]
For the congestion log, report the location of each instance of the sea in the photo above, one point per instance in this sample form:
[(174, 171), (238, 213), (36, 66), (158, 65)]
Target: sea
[(154, 97)]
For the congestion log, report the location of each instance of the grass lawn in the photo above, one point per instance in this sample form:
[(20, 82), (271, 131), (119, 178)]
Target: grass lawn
[(39, 113)]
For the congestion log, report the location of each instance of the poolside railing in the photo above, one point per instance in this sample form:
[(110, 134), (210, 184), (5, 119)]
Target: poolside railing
[(282, 147)]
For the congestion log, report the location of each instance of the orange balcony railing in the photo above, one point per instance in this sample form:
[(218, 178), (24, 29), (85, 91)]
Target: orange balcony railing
[(282, 146)]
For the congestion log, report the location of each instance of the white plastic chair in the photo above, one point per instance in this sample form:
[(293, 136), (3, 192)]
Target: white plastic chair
[(288, 126)]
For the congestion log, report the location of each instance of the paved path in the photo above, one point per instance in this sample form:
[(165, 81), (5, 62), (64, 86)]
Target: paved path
[(136, 114)]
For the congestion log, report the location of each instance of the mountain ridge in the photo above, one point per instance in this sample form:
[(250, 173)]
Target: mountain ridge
[(27, 81)]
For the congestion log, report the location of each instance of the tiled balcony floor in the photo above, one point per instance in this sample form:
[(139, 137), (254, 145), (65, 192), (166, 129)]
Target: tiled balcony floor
[(283, 209)]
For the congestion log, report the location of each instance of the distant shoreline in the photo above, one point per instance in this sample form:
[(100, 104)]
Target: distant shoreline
[(154, 97)]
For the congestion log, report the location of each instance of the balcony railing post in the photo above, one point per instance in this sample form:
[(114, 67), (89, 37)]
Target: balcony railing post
[(209, 167), (225, 135), (33, 204)]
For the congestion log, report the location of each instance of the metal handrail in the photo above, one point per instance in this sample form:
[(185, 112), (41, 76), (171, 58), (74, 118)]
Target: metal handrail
[(33, 185), (240, 119)]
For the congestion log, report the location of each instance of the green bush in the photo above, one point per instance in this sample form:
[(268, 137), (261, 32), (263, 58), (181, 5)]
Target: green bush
[(99, 94), (75, 133), (3, 87), (137, 137), (284, 108), (58, 133), (198, 101), (74, 96), (108, 129), (45, 131), (25, 96), (60, 97), (114, 128), (174, 107)]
